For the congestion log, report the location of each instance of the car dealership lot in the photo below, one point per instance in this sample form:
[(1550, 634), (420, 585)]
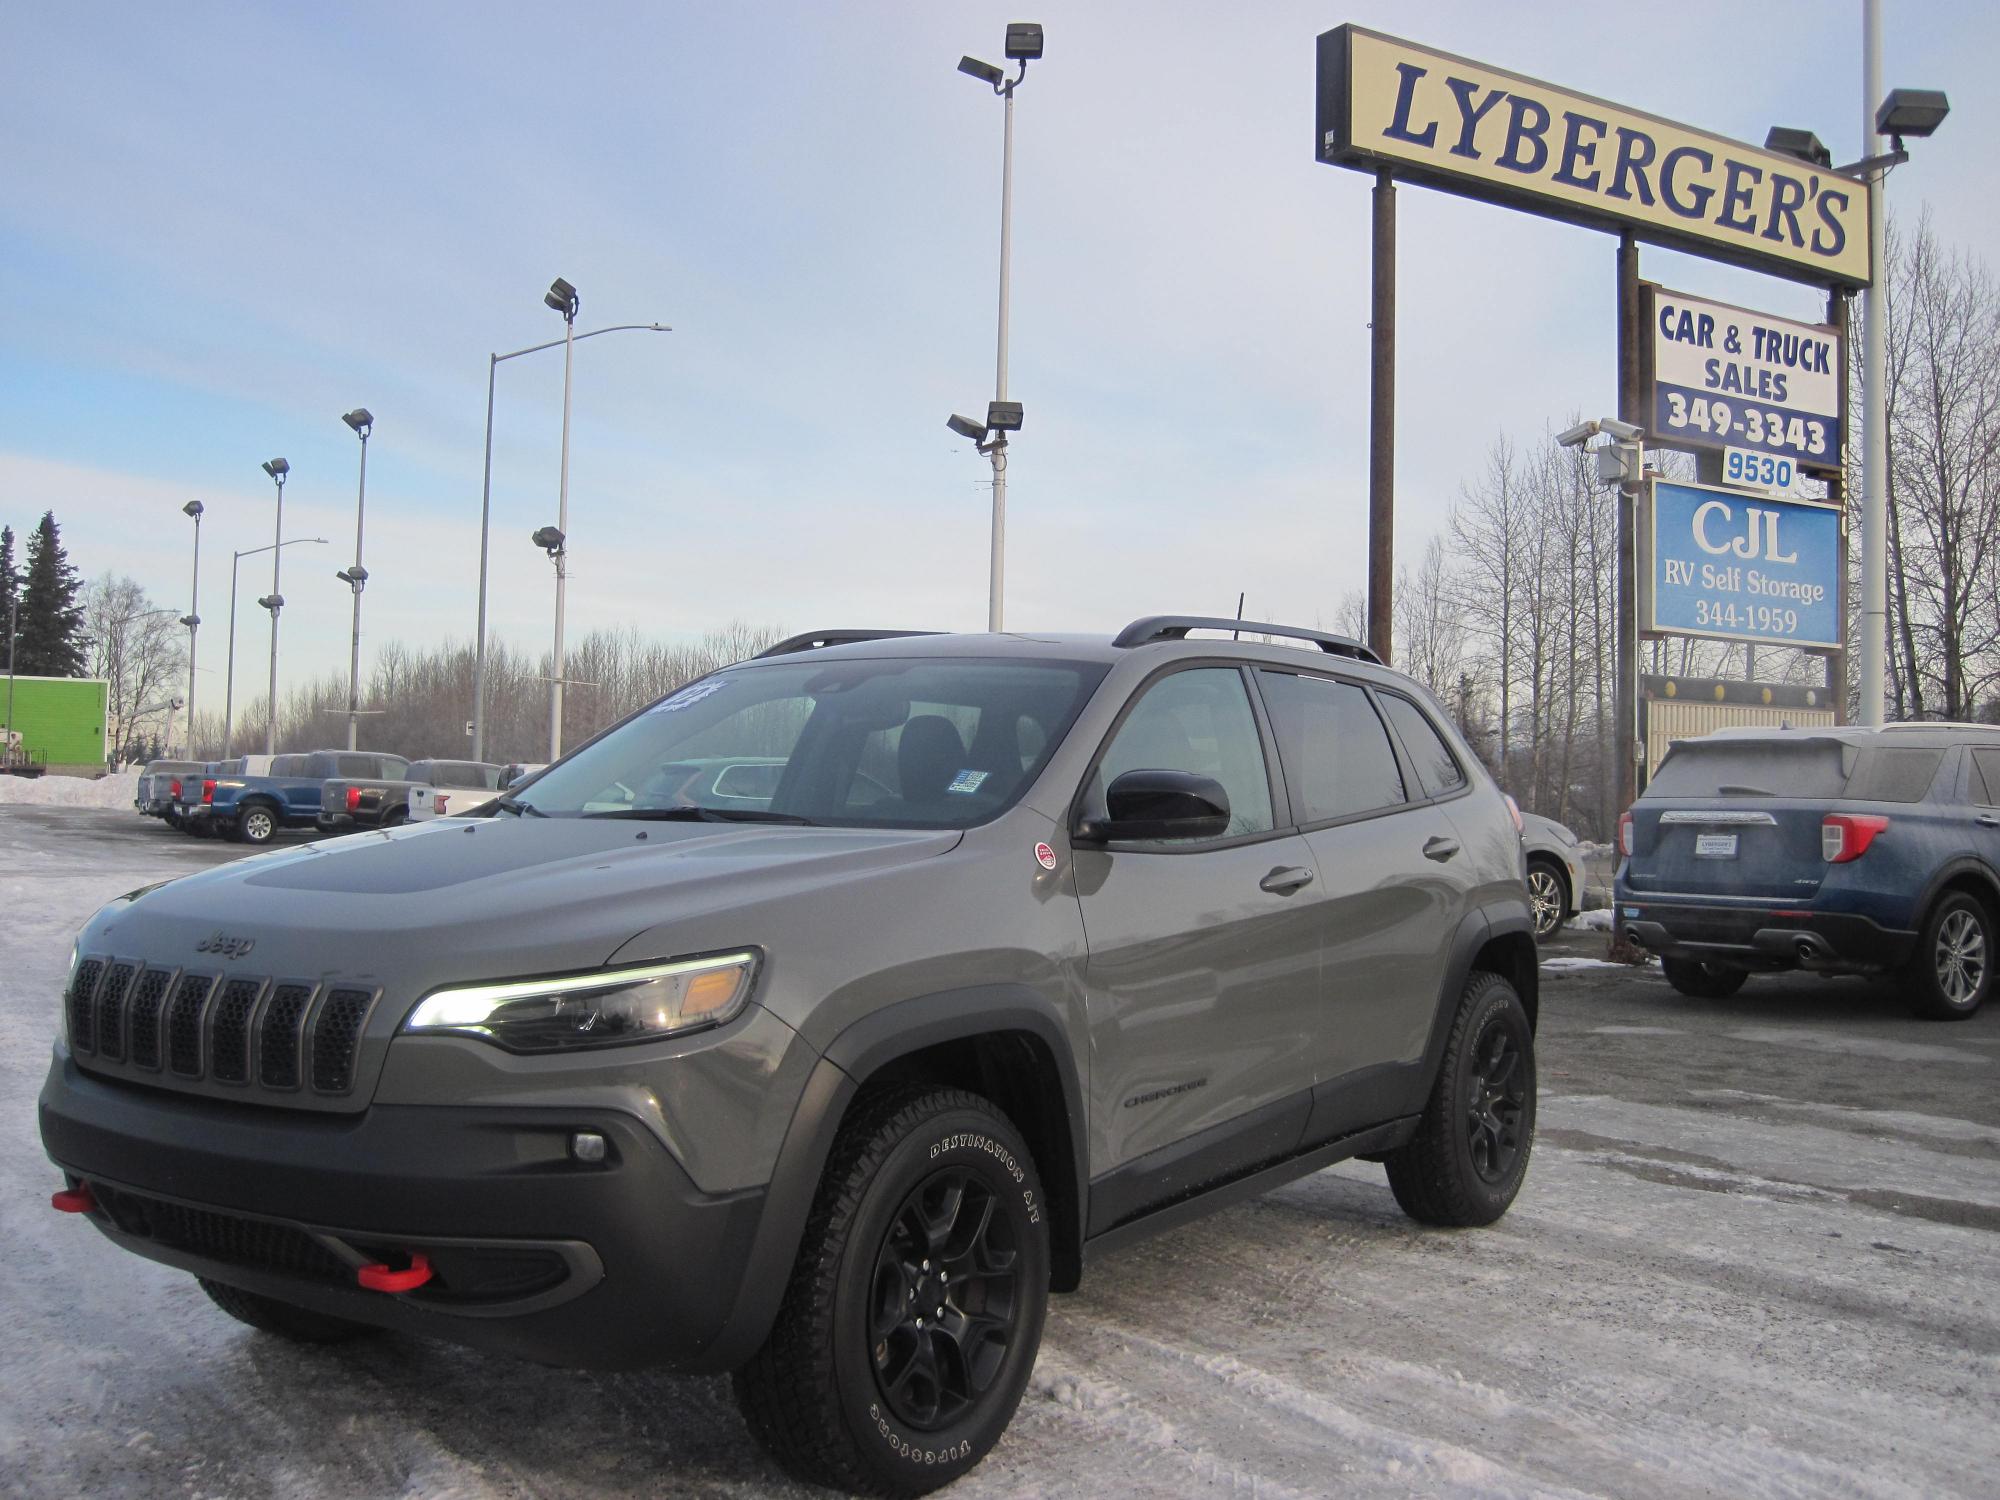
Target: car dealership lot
[(1756, 1255)]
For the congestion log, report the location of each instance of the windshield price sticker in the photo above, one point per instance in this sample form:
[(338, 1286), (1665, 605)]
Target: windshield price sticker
[(1741, 567), (1763, 471), (1726, 377)]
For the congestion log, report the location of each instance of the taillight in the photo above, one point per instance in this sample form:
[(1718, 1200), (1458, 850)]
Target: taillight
[(354, 799), (208, 791), (438, 803), (176, 791), (1846, 836), (1625, 834), (1514, 808)]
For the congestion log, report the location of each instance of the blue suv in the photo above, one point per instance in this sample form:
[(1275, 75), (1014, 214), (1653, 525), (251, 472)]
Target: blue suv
[(1843, 851)]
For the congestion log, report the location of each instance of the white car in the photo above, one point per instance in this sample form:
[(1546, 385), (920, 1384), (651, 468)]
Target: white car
[(1555, 872)]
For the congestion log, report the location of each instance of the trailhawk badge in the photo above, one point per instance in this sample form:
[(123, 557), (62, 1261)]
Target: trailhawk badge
[(227, 947), (1045, 856)]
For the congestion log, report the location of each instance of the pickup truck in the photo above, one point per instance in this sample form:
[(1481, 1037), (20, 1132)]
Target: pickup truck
[(253, 809), (155, 795), (451, 788), (355, 803)]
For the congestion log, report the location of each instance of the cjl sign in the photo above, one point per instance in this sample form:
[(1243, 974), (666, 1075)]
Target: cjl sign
[(1740, 567)]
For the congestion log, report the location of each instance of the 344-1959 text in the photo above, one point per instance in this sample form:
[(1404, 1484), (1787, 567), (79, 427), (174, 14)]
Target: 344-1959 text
[(1764, 619)]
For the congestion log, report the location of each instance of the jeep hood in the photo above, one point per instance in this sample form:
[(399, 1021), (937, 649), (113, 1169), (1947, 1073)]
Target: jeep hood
[(491, 897)]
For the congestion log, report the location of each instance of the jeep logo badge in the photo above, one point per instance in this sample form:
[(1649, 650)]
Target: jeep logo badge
[(227, 947)]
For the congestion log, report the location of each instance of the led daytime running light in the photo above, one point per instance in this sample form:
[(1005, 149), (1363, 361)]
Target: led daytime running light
[(472, 1008)]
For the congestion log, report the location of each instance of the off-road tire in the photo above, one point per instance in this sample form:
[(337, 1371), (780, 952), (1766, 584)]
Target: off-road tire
[(1701, 979), (256, 824), (1963, 925), (299, 1324), (1554, 888), (812, 1394), (1470, 1153)]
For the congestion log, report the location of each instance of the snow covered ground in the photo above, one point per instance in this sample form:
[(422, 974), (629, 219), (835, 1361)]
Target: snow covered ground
[(116, 790), (1758, 1255)]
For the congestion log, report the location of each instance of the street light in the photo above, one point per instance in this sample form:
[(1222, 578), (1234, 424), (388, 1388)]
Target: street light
[(1024, 45), (274, 601), (192, 619), (562, 297), (356, 578), (493, 362), (229, 680)]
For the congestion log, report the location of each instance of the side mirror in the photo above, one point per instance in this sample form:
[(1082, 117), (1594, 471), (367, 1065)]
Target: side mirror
[(1160, 805)]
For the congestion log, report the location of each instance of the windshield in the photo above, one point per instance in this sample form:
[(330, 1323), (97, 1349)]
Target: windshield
[(923, 743)]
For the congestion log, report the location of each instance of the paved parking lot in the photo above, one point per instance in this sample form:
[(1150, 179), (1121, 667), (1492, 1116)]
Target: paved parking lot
[(1756, 1256)]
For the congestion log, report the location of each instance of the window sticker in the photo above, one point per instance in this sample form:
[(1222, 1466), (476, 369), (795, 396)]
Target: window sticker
[(687, 697), (967, 782)]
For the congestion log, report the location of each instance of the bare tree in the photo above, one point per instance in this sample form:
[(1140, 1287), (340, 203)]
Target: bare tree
[(140, 648)]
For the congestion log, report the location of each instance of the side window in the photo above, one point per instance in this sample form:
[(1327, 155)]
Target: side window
[(1198, 721), (1337, 755), (1986, 777), (1437, 768), (358, 767)]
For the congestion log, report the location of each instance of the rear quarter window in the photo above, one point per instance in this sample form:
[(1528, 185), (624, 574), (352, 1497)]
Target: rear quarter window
[(1901, 774), (1437, 768)]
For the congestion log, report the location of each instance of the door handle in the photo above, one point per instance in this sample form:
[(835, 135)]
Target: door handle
[(1440, 848), (1286, 879)]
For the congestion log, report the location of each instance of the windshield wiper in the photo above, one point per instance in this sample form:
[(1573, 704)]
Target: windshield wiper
[(687, 813), (1737, 789), (508, 804)]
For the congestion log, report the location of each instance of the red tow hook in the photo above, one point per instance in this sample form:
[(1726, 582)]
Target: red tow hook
[(382, 1278), (76, 1200)]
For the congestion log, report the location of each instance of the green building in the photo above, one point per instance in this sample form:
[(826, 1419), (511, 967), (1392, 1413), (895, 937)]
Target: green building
[(62, 721)]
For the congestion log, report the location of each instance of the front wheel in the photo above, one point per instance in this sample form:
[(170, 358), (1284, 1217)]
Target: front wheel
[(1702, 979), (915, 1306), (1952, 973), (1548, 895), (1470, 1153), (256, 825)]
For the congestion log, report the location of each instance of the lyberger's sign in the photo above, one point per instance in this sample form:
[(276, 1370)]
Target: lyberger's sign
[(1471, 129)]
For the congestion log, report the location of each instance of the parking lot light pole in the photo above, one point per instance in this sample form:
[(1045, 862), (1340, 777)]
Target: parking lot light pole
[(229, 677), (277, 468), (192, 619), (562, 297), (356, 577), (493, 363)]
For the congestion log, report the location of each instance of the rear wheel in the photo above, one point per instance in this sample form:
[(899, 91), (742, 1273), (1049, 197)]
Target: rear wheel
[(1702, 979), (1952, 973), (1548, 894), (1470, 1153), (256, 824), (915, 1307), (299, 1324)]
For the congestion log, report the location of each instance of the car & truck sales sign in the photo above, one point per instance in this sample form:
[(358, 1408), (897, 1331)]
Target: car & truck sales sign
[(1725, 377), (1740, 567), (1461, 126)]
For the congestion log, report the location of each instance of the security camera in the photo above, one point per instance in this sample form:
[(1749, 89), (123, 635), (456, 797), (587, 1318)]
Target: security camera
[(1624, 432), (1572, 437)]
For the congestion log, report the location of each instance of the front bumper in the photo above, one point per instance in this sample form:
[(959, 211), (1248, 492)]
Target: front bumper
[(1761, 937), (610, 1265)]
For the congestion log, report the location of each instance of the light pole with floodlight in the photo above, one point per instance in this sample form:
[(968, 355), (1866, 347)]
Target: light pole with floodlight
[(562, 297), (192, 619), (229, 677), (1024, 45), (274, 601), (356, 577)]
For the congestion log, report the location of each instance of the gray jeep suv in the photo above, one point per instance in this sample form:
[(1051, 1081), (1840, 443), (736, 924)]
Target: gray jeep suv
[(818, 1020)]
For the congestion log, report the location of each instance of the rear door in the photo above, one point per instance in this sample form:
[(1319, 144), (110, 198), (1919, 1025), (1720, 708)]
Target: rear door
[(1985, 793)]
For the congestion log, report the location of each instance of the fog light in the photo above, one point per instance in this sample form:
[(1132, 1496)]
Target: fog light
[(587, 1145)]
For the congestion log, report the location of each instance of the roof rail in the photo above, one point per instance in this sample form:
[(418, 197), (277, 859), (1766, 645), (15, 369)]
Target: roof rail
[(1940, 724), (1175, 628), (813, 640)]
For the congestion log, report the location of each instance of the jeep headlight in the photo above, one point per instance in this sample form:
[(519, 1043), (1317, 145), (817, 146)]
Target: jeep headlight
[(636, 1003)]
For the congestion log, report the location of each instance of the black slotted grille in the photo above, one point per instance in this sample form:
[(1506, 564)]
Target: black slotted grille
[(82, 1015), (111, 1012), (279, 1035), (149, 996), (229, 1030), (224, 1237), (184, 1024), (336, 1035)]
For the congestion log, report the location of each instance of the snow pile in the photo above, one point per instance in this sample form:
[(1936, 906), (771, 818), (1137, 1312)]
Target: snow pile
[(71, 791), (1598, 920)]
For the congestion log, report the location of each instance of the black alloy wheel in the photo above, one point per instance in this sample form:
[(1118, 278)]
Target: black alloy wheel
[(945, 1302), (1496, 1101), (1548, 896)]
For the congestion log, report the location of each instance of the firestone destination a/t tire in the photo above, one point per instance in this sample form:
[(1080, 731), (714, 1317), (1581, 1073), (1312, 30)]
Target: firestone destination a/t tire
[(915, 1307)]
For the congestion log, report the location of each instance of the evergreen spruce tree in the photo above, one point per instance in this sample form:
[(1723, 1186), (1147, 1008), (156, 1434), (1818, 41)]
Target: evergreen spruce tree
[(8, 580), (51, 640)]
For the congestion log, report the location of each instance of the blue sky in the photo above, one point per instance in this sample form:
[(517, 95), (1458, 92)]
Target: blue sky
[(222, 226)]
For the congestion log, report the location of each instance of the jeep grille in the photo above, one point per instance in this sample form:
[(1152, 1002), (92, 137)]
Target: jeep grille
[(248, 1033)]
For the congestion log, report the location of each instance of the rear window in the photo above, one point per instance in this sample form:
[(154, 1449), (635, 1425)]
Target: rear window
[(1898, 775), (1814, 767), (291, 765)]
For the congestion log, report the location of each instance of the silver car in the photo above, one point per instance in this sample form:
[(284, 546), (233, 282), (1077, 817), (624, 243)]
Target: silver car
[(1555, 872)]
